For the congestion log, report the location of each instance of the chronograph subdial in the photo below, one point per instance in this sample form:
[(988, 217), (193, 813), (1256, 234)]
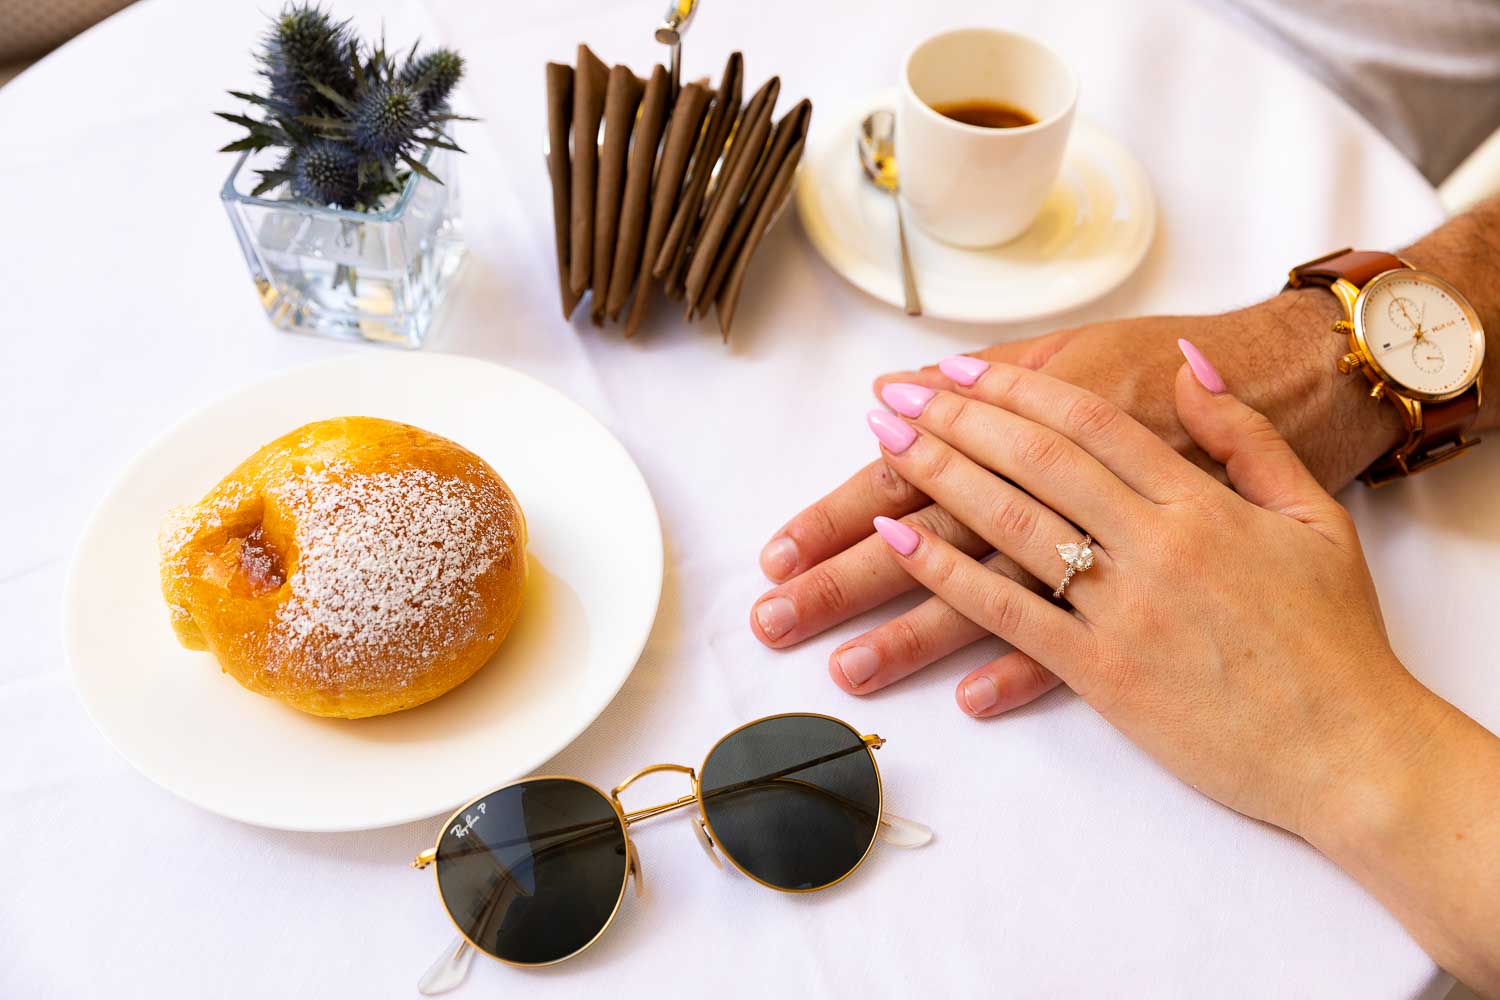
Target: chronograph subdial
[(1427, 356), (1405, 313)]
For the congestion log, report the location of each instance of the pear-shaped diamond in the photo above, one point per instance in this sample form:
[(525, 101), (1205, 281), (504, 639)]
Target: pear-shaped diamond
[(1077, 555)]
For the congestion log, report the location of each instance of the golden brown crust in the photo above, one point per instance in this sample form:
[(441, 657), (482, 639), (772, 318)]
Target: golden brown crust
[(351, 568)]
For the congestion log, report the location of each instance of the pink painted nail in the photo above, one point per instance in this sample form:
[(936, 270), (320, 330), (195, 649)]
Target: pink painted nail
[(907, 399), (1206, 374), (963, 369), (897, 535), (895, 433), (858, 664)]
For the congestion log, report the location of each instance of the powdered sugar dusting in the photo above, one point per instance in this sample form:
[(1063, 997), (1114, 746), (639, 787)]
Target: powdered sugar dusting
[(386, 571)]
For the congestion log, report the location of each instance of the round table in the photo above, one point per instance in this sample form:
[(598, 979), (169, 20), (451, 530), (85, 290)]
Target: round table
[(1066, 862)]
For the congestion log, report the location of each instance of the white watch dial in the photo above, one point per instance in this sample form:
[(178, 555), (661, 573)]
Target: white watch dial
[(1420, 333)]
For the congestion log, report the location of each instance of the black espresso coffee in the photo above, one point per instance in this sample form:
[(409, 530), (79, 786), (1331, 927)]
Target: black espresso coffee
[(985, 114)]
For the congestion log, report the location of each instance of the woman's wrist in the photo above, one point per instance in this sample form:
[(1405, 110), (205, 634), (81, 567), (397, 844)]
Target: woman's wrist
[(1379, 770), (1414, 823)]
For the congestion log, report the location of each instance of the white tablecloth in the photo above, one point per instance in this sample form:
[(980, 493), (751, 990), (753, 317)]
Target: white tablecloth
[(1067, 863)]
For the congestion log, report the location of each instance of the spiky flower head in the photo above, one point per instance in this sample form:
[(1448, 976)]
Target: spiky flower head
[(326, 172), (386, 119), (433, 77), (304, 45)]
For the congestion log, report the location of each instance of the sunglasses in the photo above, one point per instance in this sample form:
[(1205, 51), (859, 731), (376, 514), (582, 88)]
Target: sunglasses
[(534, 872)]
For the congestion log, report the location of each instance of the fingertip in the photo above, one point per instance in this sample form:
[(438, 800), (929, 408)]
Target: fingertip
[(853, 667), (900, 537), (779, 559), (977, 695), (1203, 370)]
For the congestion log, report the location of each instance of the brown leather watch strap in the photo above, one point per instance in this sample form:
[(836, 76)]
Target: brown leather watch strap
[(1355, 266), (1443, 435)]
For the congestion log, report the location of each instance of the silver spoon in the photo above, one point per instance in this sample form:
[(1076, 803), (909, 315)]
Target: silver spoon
[(877, 154)]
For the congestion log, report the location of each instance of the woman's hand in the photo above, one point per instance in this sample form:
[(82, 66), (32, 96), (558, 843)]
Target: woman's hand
[(828, 567), (1235, 635)]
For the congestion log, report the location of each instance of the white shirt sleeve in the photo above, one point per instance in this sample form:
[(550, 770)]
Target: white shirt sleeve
[(1424, 72)]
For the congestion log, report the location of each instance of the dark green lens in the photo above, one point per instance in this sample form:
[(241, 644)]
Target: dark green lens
[(533, 872), (793, 800)]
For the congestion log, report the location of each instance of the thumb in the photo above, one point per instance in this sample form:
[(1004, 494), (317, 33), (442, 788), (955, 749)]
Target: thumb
[(1261, 465)]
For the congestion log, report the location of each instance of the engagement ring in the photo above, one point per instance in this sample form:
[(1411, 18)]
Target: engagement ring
[(1079, 557)]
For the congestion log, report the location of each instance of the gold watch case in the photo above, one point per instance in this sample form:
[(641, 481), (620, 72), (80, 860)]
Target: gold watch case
[(1361, 356)]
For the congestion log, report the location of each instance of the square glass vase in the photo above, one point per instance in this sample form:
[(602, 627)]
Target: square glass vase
[(377, 276)]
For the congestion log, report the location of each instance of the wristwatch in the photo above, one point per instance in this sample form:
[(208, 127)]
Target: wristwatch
[(1420, 344)]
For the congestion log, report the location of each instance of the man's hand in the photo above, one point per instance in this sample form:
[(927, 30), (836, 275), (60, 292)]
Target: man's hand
[(1279, 354)]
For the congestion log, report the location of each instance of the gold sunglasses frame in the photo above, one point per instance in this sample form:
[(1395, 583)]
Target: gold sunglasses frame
[(871, 743)]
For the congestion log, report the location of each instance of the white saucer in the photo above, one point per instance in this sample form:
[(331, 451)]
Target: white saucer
[(596, 570), (1091, 235)]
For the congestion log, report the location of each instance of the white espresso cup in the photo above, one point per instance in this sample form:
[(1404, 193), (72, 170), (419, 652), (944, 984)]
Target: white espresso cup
[(969, 185)]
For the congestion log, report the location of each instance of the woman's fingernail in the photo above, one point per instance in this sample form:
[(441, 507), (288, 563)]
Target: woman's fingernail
[(963, 369), (779, 558), (1204, 372), (776, 616), (858, 664), (907, 399), (897, 535), (979, 694), (893, 432)]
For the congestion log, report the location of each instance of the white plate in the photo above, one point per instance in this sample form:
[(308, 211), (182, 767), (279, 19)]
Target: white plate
[(596, 572), (1091, 235)]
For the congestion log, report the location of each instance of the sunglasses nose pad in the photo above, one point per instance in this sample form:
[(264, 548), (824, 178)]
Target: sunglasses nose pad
[(707, 843), (636, 875)]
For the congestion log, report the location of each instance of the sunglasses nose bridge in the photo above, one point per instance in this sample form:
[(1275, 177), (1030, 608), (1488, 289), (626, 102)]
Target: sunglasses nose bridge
[(656, 810)]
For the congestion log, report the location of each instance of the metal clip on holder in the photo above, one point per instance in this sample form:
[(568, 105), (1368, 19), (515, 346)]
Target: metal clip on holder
[(674, 25)]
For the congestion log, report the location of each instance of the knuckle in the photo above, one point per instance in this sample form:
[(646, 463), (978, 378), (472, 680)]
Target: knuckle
[(887, 484), (1088, 416), (1015, 517), (941, 568), (951, 414), (818, 525), (1003, 610), (905, 642), (1038, 449), (1034, 678), (936, 460), (1002, 382), (826, 591)]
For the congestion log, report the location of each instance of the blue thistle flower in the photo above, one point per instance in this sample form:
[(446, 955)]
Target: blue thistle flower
[(325, 172), (305, 45), (434, 76), (387, 119)]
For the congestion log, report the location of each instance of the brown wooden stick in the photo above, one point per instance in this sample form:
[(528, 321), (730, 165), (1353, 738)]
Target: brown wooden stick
[(589, 83), (622, 101), (726, 109), (746, 153), (633, 206), (729, 296), (682, 135), (788, 131), (559, 167)]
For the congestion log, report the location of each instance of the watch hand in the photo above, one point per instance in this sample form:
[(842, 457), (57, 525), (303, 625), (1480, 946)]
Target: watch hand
[(1397, 347)]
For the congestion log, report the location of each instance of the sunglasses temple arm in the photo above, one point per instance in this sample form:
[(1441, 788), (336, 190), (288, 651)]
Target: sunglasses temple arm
[(450, 969), (898, 831)]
